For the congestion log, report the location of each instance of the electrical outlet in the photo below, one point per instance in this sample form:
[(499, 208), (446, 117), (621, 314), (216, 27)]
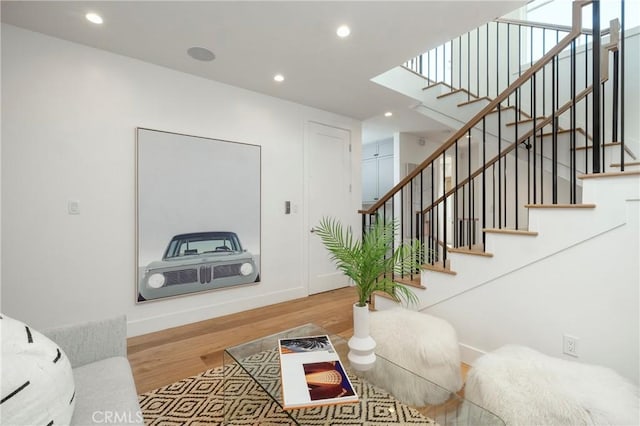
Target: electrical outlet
[(570, 345)]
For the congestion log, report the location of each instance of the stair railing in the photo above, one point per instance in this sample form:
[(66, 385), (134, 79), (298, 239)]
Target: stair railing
[(479, 176)]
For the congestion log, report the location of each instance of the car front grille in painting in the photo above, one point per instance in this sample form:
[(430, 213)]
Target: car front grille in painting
[(205, 274), (222, 271), (183, 276)]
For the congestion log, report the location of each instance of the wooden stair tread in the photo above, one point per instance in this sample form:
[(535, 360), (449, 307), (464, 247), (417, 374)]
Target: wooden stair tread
[(560, 206), (440, 83), (582, 148), (560, 131), (453, 92), (484, 98), (630, 164), (510, 231), (610, 174), (438, 268), (526, 120), (505, 108), (474, 252), (415, 282)]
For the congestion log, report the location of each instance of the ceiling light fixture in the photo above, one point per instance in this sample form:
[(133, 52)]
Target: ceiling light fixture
[(279, 78), (343, 31), (201, 54), (94, 17), (388, 114)]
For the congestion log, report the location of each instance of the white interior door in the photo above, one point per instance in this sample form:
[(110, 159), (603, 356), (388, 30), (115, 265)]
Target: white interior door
[(328, 194)]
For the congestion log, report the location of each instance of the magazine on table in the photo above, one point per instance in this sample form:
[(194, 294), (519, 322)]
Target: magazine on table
[(312, 373)]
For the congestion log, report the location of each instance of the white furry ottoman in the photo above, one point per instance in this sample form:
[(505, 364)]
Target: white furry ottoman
[(525, 387), (424, 345)]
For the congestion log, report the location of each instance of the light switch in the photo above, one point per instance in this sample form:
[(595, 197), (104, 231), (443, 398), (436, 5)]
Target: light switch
[(287, 207), (73, 206)]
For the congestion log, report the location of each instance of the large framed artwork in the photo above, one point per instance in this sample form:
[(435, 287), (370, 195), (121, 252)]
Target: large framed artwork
[(197, 214)]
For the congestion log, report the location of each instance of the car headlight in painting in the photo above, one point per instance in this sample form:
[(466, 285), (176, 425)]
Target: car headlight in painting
[(246, 269), (156, 280)]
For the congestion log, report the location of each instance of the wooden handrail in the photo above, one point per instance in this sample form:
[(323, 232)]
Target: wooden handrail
[(562, 44), (510, 148), (547, 26)]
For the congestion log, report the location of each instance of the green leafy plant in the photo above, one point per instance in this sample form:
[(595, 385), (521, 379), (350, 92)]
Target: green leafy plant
[(372, 261)]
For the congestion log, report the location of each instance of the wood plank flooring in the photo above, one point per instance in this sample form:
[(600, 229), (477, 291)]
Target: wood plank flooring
[(161, 358)]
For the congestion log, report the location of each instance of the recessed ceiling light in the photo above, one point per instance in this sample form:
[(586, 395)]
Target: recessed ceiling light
[(94, 17), (343, 31), (388, 114), (279, 78), (201, 54)]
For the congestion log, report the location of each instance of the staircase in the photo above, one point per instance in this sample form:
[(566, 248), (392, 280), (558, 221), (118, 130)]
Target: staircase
[(530, 224)]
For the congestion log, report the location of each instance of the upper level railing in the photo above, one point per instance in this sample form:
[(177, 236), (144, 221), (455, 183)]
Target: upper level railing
[(524, 147)]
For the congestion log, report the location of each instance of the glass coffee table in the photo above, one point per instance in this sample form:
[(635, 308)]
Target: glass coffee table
[(252, 391)]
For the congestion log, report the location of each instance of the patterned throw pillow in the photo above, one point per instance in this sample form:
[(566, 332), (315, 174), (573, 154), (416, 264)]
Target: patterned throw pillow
[(37, 385)]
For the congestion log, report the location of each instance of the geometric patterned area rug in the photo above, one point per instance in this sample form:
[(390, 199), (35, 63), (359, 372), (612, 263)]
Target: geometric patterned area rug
[(199, 400)]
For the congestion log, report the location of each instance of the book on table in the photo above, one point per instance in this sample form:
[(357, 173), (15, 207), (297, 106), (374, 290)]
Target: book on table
[(312, 373)]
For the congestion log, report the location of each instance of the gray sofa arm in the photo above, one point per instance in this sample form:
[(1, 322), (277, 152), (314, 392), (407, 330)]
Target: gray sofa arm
[(91, 341)]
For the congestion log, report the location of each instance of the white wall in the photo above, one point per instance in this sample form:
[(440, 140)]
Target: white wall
[(69, 115)]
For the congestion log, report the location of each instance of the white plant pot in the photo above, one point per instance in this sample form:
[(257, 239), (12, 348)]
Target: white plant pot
[(361, 345)]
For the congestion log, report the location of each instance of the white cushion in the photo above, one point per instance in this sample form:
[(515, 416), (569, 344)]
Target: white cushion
[(37, 382), (526, 387), (425, 345)]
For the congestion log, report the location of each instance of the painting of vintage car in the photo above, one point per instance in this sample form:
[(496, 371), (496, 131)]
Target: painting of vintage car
[(198, 261)]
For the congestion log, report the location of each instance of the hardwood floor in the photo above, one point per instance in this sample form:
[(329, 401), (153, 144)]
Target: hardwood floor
[(164, 357)]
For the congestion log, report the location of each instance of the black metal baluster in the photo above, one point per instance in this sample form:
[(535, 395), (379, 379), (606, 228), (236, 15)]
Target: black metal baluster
[(533, 109), (519, 89), (544, 80), (586, 104), (622, 55), (595, 71), (508, 61), (484, 182), (554, 140), (431, 220), (499, 167), (515, 164), (603, 125), (444, 214), (456, 236), (614, 94), (497, 59), (493, 189), (469, 183), (573, 165), (421, 215), (528, 170)]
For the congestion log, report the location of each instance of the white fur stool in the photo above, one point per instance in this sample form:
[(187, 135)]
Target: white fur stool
[(525, 387), (424, 345)]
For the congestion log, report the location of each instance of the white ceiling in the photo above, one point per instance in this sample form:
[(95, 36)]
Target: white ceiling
[(253, 41)]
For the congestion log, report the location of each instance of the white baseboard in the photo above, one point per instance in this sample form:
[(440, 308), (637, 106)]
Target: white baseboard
[(138, 326), (468, 354)]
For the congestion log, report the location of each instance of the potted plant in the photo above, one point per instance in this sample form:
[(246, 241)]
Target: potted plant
[(371, 264)]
